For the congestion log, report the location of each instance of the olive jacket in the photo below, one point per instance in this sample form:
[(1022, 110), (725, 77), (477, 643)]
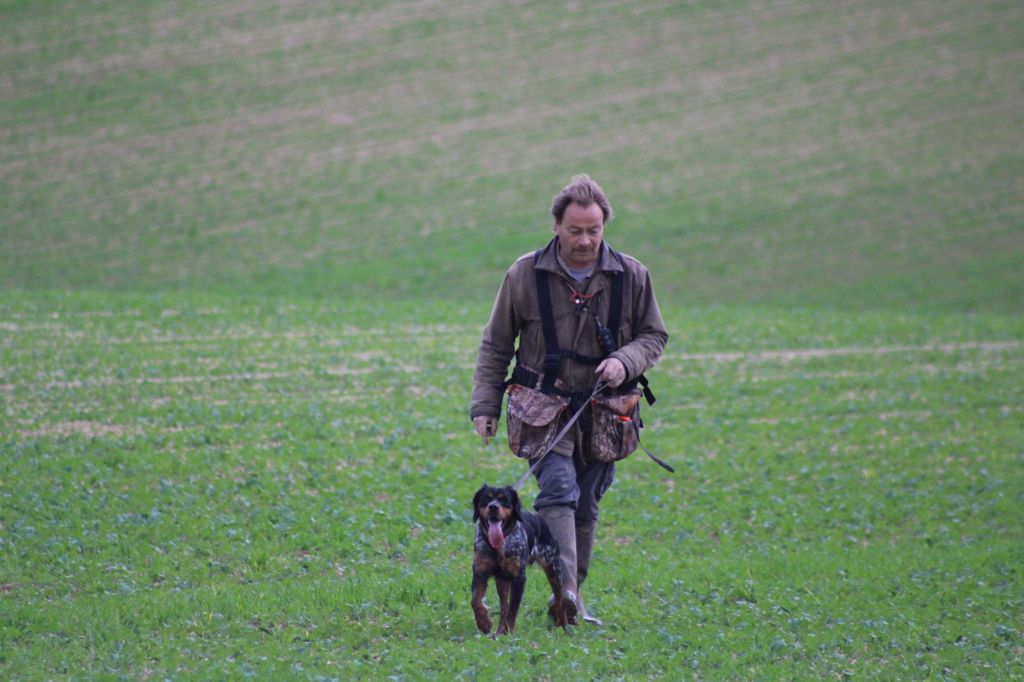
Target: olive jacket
[(516, 315)]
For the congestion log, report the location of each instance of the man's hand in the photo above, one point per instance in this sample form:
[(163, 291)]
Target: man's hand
[(487, 427), (612, 371)]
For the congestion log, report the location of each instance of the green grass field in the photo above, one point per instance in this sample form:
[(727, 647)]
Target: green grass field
[(246, 253)]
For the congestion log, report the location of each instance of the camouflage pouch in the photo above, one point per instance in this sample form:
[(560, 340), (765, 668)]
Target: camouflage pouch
[(614, 431), (533, 420)]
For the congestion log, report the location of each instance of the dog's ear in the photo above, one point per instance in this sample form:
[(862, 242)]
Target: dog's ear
[(517, 509), (476, 502)]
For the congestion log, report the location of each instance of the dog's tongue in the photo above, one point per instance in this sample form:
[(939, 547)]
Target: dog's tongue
[(494, 535)]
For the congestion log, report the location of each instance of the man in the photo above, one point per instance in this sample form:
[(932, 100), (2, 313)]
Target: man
[(578, 271)]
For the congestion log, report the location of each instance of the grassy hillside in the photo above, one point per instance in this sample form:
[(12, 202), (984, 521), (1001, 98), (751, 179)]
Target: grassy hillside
[(203, 489), (858, 154), (247, 248)]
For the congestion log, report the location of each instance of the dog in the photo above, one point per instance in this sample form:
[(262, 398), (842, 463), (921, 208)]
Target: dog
[(507, 540)]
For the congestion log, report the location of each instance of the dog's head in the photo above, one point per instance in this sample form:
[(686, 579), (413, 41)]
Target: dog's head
[(497, 510)]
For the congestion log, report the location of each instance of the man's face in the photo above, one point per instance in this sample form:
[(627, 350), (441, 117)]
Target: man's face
[(579, 235)]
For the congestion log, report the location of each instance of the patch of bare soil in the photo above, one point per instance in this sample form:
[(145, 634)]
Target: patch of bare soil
[(84, 428), (797, 354)]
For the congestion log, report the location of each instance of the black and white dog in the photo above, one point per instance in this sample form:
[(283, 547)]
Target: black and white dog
[(508, 539)]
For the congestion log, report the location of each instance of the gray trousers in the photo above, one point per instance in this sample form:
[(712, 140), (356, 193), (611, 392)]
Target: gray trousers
[(565, 480)]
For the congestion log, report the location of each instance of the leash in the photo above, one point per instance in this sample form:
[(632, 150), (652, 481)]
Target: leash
[(601, 385), (660, 462)]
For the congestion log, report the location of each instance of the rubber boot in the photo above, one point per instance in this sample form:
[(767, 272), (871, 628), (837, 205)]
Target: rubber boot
[(584, 545), (562, 522)]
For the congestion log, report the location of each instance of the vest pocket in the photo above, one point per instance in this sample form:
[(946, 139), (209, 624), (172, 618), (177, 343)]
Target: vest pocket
[(533, 420), (614, 431)]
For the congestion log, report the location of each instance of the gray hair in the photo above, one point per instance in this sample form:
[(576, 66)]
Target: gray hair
[(583, 191)]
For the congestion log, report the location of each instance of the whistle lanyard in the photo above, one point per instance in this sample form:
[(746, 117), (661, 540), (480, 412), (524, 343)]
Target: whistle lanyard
[(580, 300)]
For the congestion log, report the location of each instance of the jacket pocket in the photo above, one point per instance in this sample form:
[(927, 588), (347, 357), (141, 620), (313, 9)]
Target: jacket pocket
[(614, 433), (533, 420)]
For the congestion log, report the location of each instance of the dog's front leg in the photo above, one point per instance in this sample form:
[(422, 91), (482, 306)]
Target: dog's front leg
[(483, 619), (504, 588), (515, 599)]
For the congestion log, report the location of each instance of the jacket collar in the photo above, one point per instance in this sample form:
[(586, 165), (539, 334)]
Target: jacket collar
[(549, 259)]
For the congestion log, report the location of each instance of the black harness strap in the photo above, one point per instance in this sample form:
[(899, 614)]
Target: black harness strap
[(553, 354), (615, 317), (615, 303)]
